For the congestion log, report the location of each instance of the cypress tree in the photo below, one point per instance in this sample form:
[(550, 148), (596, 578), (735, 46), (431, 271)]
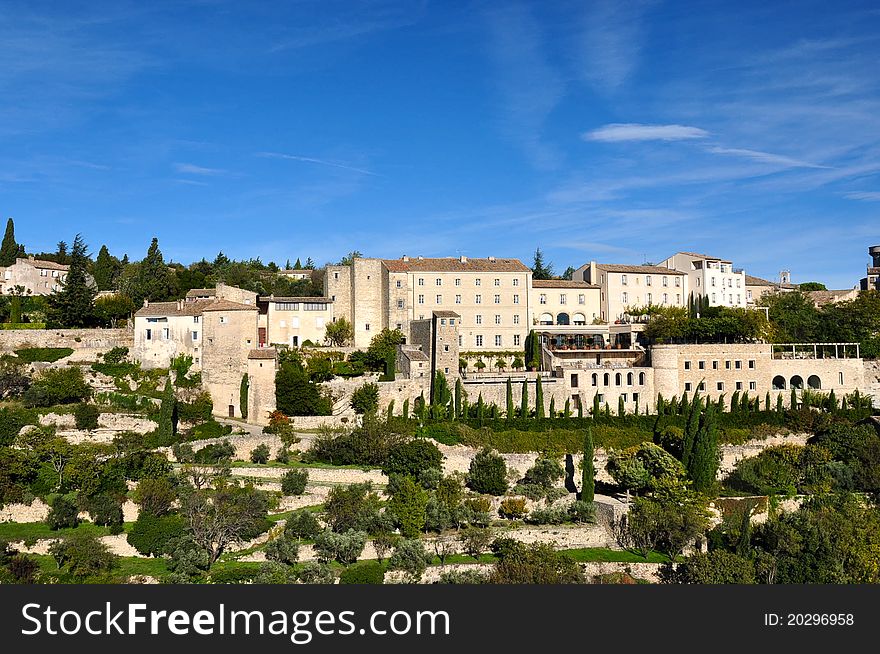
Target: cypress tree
[(459, 391), (744, 403), (691, 428), (390, 414), (567, 410), (780, 407), (406, 409), (552, 413), (794, 401), (683, 405), (722, 407), (440, 395), (481, 409), (580, 410), (832, 402), (596, 406), (702, 466), (621, 409), (243, 396), (539, 399), (509, 399), (661, 404), (464, 406), (74, 304), (524, 401), (734, 402), (10, 250), (166, 429), (588, 477), (607, 410)]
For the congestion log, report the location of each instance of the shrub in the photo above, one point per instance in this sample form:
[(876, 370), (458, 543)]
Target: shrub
[(297, 395), (365, 399), (581, 511), (284, 549), (12, 419), (550, 515), (85, 556), (104, 509), (475, 540), (367, 445), (57, 386), (62, 514), (116, 355), (464, 577), (716, 567), (44, 354), (411, 557), (783, 469), (150, 534), (407, 505), (487, 473), (260, 454), (344, 548), (312, 572), (23, 569), (363, 572), (538, 563), (86, 416), (210, 429), (198, 411), (412, 457), (352, 507), (545, 473), (638, 468), (294, 482), (234, 575), (215, 453), (303, 525), (155, 496), (283, 455), (512, 508)]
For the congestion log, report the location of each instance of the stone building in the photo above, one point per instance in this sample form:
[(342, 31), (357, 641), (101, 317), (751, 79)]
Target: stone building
[(36, 276), (164, 330), (871, 280), (293, 321), (622, 287), (564, 302), (229, 335), (710, 277), (261, 367), (222, 292)]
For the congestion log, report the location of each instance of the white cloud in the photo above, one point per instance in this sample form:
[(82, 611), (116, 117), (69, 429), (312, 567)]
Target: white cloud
[(617, 132), (765, 157), (192, 169), (869, 196), (611, 42), (322, 162)]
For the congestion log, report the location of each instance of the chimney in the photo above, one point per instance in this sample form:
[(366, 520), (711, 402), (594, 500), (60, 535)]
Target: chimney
[(180, 305), (420, 257), (146, 303), (492, 259), (404, 258), (463, 259)]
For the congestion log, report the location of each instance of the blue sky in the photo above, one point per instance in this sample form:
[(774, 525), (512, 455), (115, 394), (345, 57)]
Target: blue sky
[(616, 130)]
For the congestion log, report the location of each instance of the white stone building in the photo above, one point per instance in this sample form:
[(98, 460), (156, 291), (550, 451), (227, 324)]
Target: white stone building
[(711, 277), (623, 287)]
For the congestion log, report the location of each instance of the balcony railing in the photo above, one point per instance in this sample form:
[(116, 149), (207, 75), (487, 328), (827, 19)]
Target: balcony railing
[(816, 351)]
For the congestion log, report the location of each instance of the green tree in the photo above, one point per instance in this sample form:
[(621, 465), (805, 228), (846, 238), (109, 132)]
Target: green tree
[(296, 394), (487, 473), (339, 332), (539, 398), (106, 270), (365, 399), (588, 475), (407, 505), (524, 400), (74, 304), (812, 286), (716, 567), (166, 430), (85, 557), (540, 269), (441, 396), (459, 396), (410, 557), (703, 463), (10, 250)]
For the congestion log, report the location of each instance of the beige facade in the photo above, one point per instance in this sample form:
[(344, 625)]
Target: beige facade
[(623, 287), (164, 330), (711, 277), (37, 277), (294, 320), (222, 292), (562, 302), (261, 366), (229, 333)]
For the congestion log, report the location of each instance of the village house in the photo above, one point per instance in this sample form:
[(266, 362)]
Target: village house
[(35, 276)]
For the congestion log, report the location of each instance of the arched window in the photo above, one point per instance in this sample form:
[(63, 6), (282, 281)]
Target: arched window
[(617, 379), (814, 382), (546, 319), (779, 383), (641, 379), (562, 319), (797, 382), (606, 379), (595, 379), (629, 379), (578, 319)]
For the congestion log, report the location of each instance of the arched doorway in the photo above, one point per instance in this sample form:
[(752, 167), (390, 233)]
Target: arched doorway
[(779, 383), (813, 381), (797, 382), (562, 319)]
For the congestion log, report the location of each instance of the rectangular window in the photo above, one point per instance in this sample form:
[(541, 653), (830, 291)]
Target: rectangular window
[(701, 365), (738, 365), (702, 386), (720, 386), (398, 283), (479, 319), (650, 297), (582, 299), (439, 299), (195, 336), (478, 340), (458, 299), (195, 319), (516, 319), (460, 342), (287, 306), (751, 364), (687, 387), (478, 282), (714, 365), (623, 280), (458, 281), (149, 334), (497, 340), (516, 281), (439, 282), (367, 327), (400, 304), (478, 299), (542, 299), (166, 333), (516, 299), (624, 297), (421, 299), (516, 339), (222, 320), (753, 386), (421, 281), (727, 365), (687, 365), (313, 306), (678, 282), (497, 319), (497, 299), (574, 381), (562, 298), (739, 386), (497, 282), (647, 280), (713, 281)]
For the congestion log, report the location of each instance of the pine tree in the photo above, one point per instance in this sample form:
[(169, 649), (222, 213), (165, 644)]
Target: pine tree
[(154, 281), (509, 399), (539, 399), (524, 400), (74, 304), (297, 265), (588, 476), (10, 250), (106, 270), (287, 265), (541, 270), (310, 265)]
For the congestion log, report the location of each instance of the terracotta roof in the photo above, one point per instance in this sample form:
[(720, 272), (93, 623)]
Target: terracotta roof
[(821, 298), (704, 256), (228, 305), (263, 353), (169, 309), (446, 314), (200, 292), (560, 283), (757, 281), (272, 298), (620, 268), (42, 263), (414, 354), (452, 264)]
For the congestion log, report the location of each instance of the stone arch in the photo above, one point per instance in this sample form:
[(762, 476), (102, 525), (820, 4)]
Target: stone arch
[(546, 319), (813, 381), (606, 379), (595, 379), (641, 379), (797, 382), (779, 383), (629, 379), (578, 319), (562, 319), (617, 379)]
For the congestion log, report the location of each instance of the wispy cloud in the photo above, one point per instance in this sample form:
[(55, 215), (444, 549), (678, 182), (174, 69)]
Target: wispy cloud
[(192, 169), (765, 157), (321, 162), (868, 196), (610, 43), (189, 182), (530, 87), (617, 132)]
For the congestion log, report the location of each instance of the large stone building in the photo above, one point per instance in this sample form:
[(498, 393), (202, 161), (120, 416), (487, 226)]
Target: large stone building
[(35, 276), (624, 287), (230, 333), (711, 277), (562, 302), (872, 279), (293, 321)]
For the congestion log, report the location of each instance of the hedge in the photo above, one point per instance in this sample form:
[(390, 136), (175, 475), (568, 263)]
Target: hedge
[(22, 325), (43, 354)]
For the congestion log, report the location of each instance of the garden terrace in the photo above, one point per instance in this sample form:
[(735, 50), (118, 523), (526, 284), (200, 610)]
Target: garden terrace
[(816, 351)]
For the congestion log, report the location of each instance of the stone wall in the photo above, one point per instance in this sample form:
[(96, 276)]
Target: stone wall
[(872, 379), (228, 337), (85, 343)]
